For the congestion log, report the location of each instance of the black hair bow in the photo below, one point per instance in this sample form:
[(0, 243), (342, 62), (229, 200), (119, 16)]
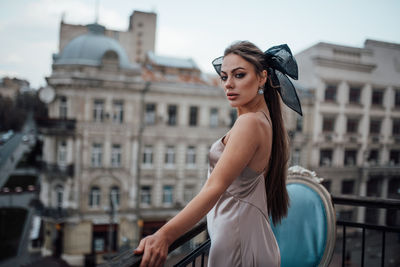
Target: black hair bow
[(279, 62)]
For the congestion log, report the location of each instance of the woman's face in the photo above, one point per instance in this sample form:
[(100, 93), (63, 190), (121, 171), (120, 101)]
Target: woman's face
[(240, 80)]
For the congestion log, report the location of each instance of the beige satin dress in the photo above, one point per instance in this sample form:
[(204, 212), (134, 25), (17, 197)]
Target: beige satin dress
[(238, 224)]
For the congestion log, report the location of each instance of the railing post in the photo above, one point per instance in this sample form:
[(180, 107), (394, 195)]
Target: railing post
[(383, 248), (344, 246), (363, 247)]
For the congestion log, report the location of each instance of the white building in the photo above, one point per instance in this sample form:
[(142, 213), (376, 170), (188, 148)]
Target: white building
[(350, 133)]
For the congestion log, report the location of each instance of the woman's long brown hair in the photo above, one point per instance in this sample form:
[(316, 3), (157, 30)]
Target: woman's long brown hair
[(275, 178)]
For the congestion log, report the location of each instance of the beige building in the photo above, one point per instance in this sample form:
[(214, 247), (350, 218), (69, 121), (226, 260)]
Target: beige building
[(126, 144), (10, 87), (350, 132)]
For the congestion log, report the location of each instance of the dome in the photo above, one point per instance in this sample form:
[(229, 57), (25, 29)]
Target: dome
[(89, 49)]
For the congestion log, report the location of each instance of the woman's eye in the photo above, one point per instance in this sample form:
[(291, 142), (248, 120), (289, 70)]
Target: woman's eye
[(240, 75), (224, 78)]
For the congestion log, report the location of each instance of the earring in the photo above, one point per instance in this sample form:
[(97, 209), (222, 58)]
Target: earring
[(260, 90)]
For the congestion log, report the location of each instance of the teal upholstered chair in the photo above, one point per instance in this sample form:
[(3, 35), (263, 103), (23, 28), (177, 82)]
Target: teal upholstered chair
[(306, 237)]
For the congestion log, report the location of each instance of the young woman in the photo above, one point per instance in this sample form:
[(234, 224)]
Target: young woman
[(247, 174)]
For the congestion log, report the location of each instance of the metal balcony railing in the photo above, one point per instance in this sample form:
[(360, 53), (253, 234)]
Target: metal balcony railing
[(198, 256), (52, 126), (59, 170)]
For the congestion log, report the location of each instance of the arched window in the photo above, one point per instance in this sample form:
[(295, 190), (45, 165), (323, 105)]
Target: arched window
[(94, 197), (115, 196)]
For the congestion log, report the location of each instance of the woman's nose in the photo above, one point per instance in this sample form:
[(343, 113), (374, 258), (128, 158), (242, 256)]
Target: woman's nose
[(228, 83)]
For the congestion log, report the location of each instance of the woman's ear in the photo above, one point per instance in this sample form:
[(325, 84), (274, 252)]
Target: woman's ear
[(263, 77)]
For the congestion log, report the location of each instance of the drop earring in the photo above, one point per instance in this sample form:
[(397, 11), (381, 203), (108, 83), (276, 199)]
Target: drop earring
[(260, 90)]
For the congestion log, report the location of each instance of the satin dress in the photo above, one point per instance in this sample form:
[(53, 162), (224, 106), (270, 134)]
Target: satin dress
[(238, 224)]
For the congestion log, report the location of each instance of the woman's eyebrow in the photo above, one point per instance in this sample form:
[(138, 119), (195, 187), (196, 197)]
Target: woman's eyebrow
[(235, 69)]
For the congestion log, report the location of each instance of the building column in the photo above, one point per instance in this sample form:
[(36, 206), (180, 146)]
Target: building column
[(362, 193), (384, 194)]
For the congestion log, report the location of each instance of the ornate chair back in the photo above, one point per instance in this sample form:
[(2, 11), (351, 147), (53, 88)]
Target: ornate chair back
[(306, 237)]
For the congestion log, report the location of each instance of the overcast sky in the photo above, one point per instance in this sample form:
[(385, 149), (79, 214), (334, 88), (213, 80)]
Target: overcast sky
[(29, 29)]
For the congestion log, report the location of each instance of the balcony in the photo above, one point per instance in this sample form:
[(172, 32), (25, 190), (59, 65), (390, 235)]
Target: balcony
[(53, 126), (395, 139), (58, 170), (353, 138), (375, 139), (353, 242)]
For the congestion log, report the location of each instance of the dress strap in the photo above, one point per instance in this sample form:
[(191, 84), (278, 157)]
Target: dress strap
[(265, 114)]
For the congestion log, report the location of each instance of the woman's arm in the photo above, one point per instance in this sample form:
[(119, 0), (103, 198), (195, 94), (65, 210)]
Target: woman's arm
[(242, 144)]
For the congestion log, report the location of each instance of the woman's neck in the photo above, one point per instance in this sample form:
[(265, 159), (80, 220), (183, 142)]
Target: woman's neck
[(256, 105)]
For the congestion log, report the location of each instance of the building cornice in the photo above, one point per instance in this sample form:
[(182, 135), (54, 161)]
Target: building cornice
[(339, 64)]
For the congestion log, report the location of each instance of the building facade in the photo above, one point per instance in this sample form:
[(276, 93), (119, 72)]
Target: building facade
[(350, 132), (125, 145)]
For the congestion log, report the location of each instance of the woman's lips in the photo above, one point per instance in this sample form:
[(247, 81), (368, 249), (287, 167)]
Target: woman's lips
[(232, 96)]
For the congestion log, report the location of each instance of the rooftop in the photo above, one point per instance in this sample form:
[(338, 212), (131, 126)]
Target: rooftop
[(181, 63)]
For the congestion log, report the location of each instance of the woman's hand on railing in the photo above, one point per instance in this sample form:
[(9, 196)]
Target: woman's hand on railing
[(154, 249)]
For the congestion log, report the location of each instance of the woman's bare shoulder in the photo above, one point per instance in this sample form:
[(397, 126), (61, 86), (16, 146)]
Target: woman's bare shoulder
[(247, 126), (251, 122)]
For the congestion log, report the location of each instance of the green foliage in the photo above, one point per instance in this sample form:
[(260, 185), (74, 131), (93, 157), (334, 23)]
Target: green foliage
[(13, 113)]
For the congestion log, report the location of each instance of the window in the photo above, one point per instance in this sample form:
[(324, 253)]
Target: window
[(94, 197), (118, 111), (116, 155), (191, 156), (114, 196), (350, 157), (148, 155), (346, 215), (63, 107), (168, 191), (396, 127), (213, 117), (188, 194), (375, 126), (193, 116), (62, 153), (98, 110), (97, 151), (59, 190), (373, 157), (299, 124), (352, 125), (394, 157), (150, 115), (145, 195), (325, 158), (354, 95), (348, 187), (296, 157), (377, 97), (327, 184), (233, 116), (328, 124), (172, 115), (330, 93), (170, 156), (397, 98)]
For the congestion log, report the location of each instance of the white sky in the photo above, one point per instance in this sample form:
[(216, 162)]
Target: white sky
[(197, 29)]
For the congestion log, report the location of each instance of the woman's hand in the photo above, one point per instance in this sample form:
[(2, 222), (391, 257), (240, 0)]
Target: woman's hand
[(155, 249)]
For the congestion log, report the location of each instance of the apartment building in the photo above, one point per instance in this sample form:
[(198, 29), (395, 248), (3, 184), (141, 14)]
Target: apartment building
[(125, 145), (350, 131)]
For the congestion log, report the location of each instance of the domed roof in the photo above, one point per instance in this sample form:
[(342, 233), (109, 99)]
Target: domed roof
[(89, 49)]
